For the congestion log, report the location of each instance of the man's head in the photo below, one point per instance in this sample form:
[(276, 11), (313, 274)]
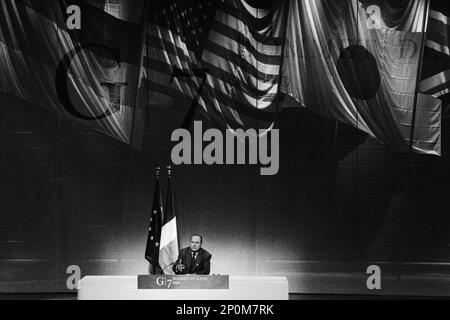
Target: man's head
[(196, 242)]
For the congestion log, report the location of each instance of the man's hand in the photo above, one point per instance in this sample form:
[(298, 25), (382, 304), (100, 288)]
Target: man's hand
[(180, 267)]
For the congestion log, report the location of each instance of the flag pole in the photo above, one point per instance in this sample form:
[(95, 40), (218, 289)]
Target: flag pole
[(169, 180), (419, 74), (169, 171), (169, 184), (169, 177), (169, 189)]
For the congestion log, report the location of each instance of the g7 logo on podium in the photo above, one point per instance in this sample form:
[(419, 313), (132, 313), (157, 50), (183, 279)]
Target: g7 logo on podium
[(164, 282), (182, 282)]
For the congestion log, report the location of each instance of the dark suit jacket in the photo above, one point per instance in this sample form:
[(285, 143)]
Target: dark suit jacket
[(202, 262)]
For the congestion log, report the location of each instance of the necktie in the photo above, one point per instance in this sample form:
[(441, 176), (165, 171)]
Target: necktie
[(194, 254)]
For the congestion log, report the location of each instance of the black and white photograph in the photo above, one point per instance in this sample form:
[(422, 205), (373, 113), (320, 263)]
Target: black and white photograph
[(224, 150)]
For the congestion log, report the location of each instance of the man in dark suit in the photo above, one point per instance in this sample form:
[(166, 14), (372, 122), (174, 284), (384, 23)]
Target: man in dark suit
[(193, 259)]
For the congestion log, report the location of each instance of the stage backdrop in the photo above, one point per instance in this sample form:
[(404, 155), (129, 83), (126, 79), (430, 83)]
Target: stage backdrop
[(73, 196)]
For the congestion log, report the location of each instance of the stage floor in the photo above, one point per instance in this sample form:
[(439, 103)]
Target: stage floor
[(73, 296)]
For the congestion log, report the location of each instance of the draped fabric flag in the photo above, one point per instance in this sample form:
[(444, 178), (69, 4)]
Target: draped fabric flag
[(243, 56), (88, 75), (436, 64), (233, 61), (154, 231), (340, 66), (176, 32), (225, 53), (168, 251)]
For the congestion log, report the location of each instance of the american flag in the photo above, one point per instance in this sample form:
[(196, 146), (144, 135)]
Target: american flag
[(176, 32), (436, 64), (243, 56), (239, 48)]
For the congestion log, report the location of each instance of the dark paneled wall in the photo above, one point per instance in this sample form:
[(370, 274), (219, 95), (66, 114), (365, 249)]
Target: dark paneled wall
[(73, 196)]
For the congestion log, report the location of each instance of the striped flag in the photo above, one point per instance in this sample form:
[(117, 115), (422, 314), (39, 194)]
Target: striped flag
[(436, 64), (168, 251), (176, 31), (154, 230), (243, 56), (225, 53)]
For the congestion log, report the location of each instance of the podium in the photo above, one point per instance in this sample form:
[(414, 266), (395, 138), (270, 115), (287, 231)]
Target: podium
[(165, 288)]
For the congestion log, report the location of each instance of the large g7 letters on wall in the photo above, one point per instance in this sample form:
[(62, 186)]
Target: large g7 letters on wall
[(61, 82)]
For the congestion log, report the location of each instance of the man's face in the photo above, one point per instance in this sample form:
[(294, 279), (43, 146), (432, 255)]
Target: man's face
[(196, 243)]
